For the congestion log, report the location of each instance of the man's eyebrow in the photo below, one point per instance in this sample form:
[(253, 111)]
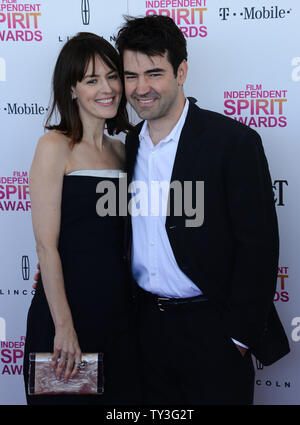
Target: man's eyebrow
[(153, 70), (129, 73), (149, 71)]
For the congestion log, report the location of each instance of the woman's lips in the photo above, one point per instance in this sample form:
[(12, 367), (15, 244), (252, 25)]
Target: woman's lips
[(108, 101)]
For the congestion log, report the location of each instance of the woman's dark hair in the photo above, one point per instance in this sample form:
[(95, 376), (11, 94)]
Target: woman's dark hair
[(153, 35), (71, 66)]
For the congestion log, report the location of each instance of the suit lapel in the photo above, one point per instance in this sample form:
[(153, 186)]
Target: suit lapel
[(132, 146), (188, 145)]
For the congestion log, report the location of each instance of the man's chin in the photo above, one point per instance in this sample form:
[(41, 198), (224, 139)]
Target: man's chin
[(143, 114), (147, 114)]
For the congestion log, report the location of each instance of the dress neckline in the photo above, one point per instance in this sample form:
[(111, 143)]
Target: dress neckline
[(97, 173)]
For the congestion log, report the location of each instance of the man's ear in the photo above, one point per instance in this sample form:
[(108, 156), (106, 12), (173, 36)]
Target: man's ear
[(182, 72)]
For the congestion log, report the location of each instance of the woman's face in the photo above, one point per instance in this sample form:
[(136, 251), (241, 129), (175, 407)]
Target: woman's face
[(99, 93)]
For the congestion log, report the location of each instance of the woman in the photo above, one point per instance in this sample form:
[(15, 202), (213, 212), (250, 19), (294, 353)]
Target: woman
[(83, 303)]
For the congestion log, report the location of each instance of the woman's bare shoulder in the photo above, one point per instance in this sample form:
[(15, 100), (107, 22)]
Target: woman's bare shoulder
[(52, 152), (54, 140)]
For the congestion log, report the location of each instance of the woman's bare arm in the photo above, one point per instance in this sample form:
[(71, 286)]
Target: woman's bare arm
[(46, 180)]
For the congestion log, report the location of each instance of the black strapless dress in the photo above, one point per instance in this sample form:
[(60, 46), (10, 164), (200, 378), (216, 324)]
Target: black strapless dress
[(97, 284)]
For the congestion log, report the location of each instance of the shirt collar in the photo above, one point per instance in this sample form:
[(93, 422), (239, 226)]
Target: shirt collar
[(174, 133)]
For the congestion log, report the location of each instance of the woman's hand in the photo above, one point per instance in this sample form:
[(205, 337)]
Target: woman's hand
[(66, 352)]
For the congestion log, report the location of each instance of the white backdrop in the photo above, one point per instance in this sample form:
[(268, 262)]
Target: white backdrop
[(244, 61)]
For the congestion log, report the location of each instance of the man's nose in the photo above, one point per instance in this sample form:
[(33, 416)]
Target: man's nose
[(142, 86)]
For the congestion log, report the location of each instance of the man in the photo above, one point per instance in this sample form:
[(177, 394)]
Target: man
[(202, 310)]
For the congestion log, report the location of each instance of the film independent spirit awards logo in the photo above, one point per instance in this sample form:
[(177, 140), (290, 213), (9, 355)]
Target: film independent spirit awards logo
[(20, 22)]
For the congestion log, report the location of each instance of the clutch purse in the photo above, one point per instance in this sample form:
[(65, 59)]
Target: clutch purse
[(42, 380)]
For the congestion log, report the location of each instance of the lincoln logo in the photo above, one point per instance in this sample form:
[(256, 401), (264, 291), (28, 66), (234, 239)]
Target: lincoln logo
[(25, 267), (85, 12)]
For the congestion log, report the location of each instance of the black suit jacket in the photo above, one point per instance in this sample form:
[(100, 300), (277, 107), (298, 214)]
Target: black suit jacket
[(233, 256)]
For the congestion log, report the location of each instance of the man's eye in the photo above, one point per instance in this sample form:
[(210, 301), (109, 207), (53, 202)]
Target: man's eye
[(156, 74)]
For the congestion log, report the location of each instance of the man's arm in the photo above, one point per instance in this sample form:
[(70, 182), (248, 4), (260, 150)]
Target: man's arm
[(254, 224)]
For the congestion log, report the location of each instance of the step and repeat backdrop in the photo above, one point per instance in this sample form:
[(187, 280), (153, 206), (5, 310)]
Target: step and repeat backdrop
[(244, 62)]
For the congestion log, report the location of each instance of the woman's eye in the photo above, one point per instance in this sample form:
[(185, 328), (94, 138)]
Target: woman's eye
[(91, 81), (113, 77)]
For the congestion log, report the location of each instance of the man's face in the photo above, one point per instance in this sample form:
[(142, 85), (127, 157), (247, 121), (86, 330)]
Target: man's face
[(150, 85)]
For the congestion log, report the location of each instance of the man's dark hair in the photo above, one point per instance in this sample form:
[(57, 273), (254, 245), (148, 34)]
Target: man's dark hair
[(153, 35)]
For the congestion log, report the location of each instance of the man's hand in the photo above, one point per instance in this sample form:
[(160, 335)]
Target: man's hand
[(36, 276)]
